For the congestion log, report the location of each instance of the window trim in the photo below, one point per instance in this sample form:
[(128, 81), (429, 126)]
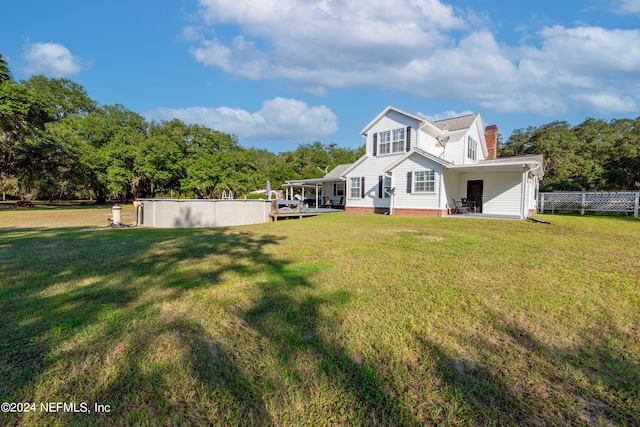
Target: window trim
[(384, 142), (472, 149), (386, 189), (424, 181), (352, 187), (398, 143), (390, 143)]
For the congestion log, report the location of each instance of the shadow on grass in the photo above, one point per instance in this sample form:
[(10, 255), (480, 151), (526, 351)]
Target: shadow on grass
[(516, 379), (84, 320), (291, 323)]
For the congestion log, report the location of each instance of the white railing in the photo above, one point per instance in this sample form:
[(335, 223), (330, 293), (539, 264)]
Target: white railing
[(621, 201)]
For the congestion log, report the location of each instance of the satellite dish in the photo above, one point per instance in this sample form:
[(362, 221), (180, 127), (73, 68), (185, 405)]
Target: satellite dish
[(442, 141)]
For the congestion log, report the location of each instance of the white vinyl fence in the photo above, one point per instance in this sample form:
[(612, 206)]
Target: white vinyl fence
[(622, 201)]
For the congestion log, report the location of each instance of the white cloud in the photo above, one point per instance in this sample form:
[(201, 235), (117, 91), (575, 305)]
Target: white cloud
[(305, 39), (422, 47), (445, 115), (626, 7), (606, 103), (279, 119), (53, 60)]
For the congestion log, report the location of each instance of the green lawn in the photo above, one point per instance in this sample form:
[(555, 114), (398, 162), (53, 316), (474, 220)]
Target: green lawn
[(340, 319)]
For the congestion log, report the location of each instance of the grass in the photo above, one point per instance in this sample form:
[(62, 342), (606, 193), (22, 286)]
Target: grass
[(340, 319)]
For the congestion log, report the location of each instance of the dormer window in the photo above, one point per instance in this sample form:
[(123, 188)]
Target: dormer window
[(391, 141)]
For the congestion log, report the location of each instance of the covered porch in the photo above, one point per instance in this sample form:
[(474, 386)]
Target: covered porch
[(328, 192), (498, 188)]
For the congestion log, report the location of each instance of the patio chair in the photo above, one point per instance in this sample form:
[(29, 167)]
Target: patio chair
[(326, 202), (458, 208), (469, 205)]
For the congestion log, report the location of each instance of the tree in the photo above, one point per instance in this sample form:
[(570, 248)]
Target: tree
[(158, 165), (213, 163), (5, 74), (60, 97)]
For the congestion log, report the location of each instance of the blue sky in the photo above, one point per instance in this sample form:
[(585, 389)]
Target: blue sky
[(277, 73)]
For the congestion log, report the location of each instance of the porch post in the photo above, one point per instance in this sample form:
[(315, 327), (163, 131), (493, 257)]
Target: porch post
[(523, 201), (316, 195)]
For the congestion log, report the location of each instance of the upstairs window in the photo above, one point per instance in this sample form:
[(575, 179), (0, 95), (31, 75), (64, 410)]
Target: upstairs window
[(397, 140), (385, 142), (472, 149), (391, 141)]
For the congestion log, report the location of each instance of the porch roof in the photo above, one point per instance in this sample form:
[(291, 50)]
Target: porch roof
[(334, 175), (505, 164), (311, 181)]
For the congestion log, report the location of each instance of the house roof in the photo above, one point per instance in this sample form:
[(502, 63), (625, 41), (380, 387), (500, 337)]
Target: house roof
[(533, 162), (337, 172), (456, 123), (385, 111), (333, 175), (353, 165), (422, 153), (436, 127)]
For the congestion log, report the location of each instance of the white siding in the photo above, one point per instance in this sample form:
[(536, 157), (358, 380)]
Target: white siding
[(455, 150), (392, 120), (473, 133), (502, 193), (451, 189), (371, 168), (417, 200)]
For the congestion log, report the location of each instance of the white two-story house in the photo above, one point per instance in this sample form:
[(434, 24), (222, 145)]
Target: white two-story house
[(413, 166)]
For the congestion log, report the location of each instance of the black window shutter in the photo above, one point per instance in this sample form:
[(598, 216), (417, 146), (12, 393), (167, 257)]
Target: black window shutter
[(335, 189), (375, 144), (408, 182), (380, 187), (408, 135), (362, 187)]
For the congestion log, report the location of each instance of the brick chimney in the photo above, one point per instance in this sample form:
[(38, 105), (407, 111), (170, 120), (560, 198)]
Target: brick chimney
[(491, 137)]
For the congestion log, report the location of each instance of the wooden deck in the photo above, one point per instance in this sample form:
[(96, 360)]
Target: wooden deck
[(288, 209)]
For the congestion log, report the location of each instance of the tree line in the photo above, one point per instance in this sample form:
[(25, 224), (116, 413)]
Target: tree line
[(57, 143), (595, 155)]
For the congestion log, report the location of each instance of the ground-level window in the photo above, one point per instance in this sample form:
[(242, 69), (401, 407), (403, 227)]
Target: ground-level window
[(386, 186), (424, 181), (354, 189), (338, 189)]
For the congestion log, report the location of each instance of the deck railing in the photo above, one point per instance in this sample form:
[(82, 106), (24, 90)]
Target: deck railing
[(620, 201)]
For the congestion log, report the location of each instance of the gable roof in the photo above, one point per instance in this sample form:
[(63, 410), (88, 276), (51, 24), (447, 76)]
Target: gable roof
[(350, 167), (337, 172), (419, 152), (456, 123), (385, 111), (445, 125)]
